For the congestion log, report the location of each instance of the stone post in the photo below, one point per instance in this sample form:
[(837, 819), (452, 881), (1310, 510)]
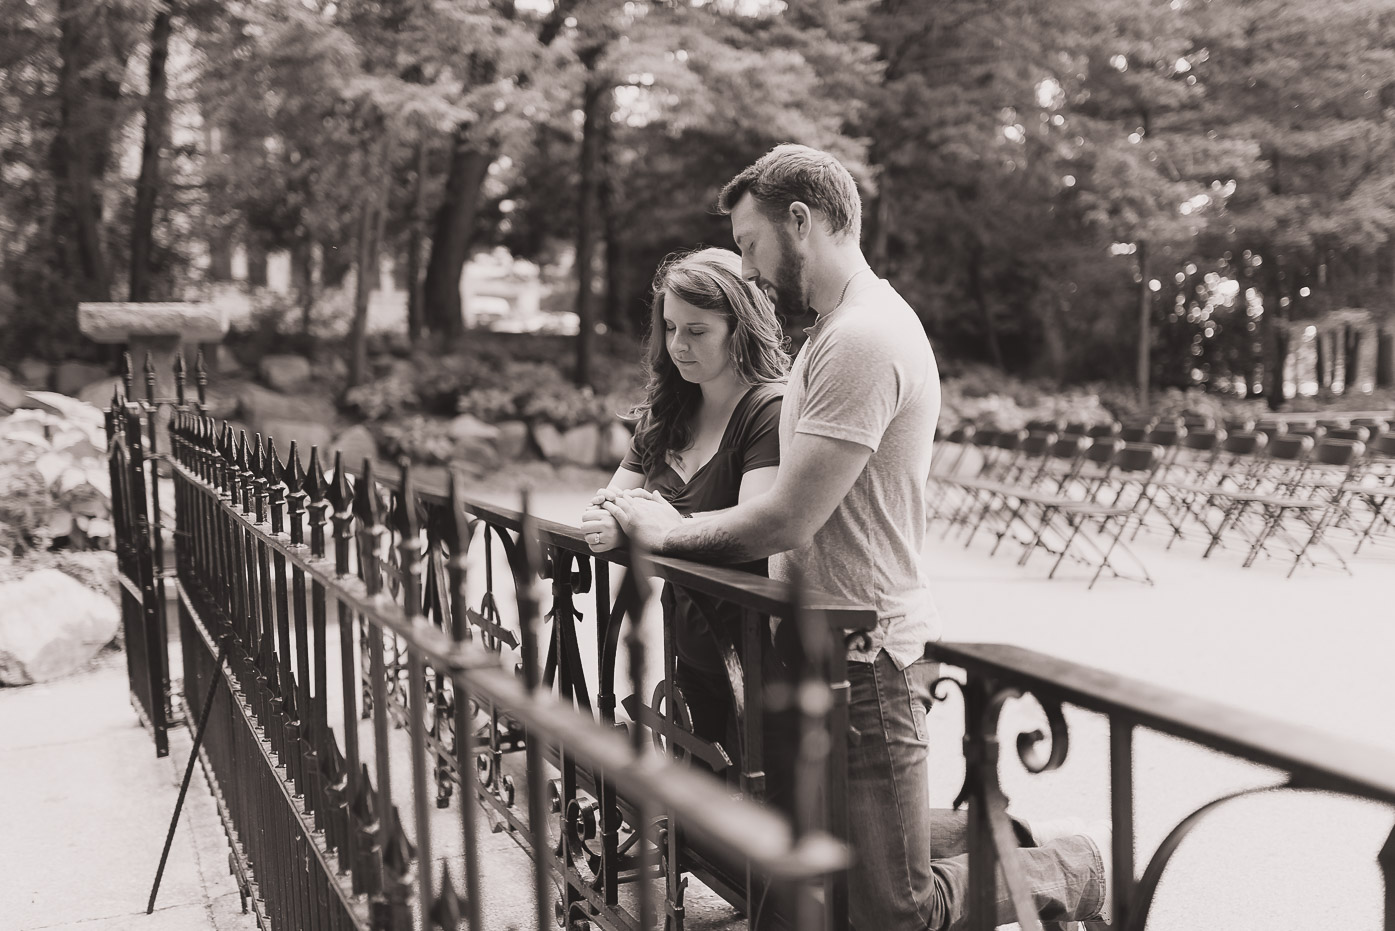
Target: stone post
[(162, 329)]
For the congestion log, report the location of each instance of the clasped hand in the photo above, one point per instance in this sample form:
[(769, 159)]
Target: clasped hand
[(643, 516)]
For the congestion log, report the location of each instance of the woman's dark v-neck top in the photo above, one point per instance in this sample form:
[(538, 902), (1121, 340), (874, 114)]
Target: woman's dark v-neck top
[(751, 441)]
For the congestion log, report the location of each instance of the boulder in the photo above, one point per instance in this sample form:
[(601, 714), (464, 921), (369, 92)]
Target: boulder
[(479, 454), (512, 442), (305, 433), (98, 393), (580, 445), (549, 440), (258, 405), (356, 443), (284, 372), (12, 396), (35, 373), (71, 377), (51, 626), (615, 443), (470, 427)]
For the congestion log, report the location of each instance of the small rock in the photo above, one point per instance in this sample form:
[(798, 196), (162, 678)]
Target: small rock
[(51, 626), (70, 377), (35, 373), (549, 440), (512, 442), (356, 443), (615, 443), (468, 426), (285, 372), (11, 395), (580, 445)]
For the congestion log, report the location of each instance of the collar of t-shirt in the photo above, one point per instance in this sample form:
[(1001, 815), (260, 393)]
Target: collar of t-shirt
[(855, 291)]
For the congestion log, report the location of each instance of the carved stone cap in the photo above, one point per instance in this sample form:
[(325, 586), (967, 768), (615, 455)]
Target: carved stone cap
[(117, 322)]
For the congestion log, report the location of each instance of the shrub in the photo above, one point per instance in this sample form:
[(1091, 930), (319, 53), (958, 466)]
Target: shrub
[(55, 491)]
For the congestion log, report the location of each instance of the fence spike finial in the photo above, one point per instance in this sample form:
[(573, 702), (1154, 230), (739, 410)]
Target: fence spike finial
[(293, 474), (314, 485), (128, 373), (116, 396), (149, 368), (366, 506), (225, 442), (406, 520), (447, 912), (271, 466), (340, 496), (180, 373), (240, 454), (398, 850), (255, 461), (200, 376)]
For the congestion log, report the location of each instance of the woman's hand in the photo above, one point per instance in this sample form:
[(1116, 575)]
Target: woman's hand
[(600, 530)]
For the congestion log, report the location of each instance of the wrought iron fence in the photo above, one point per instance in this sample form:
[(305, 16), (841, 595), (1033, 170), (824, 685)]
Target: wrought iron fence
[(995, 673), (133, 461), (373, 630)]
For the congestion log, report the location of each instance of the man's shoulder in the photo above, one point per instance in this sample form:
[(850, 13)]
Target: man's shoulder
[(879, 320)]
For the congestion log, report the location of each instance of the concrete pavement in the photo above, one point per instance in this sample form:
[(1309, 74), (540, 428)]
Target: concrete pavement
[(85, 805)]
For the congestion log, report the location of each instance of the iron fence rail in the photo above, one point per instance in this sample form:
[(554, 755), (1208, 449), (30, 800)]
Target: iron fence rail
[(996, 673)]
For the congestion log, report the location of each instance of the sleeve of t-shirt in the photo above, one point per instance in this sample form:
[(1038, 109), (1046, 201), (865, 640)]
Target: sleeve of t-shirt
[(760, 448), (853, 387), (632, 462)]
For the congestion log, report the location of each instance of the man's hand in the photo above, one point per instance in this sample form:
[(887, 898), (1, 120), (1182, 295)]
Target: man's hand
[(645, 517)]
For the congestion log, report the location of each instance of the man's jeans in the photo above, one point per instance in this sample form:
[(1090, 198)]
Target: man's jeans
[(897, 882)]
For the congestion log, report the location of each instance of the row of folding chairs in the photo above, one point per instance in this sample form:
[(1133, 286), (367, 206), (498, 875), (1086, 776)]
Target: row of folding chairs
[(1068, 495), (1076, 492)]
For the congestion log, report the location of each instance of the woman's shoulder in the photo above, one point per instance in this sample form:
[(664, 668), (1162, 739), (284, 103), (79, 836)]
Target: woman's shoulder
[(767, 394)]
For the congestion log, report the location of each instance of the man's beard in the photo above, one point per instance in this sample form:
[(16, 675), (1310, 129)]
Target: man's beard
[(791, 283)]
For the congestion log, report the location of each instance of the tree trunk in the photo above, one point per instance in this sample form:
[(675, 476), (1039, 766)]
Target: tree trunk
[(370, 234), (1324, 363), (452, 233), (980, 298), (596, 97), (1385, 358), (92, 48), (1352, 356), (303, 278), (1145, 326), (256, 264), (157, 117), (415, 244), (617, 315)]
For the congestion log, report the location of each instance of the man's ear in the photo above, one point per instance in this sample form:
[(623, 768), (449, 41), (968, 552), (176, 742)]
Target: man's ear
[(803, 219)]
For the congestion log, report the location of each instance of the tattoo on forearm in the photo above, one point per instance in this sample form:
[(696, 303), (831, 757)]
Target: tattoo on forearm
[(704, 544)]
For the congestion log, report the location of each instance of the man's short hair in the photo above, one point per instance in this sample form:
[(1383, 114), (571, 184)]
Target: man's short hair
[(789, 173)]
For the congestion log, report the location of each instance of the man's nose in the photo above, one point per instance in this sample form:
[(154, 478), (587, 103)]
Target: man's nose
[(748, 270)]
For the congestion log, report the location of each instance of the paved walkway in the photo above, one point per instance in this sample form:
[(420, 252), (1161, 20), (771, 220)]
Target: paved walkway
[(85, 807)]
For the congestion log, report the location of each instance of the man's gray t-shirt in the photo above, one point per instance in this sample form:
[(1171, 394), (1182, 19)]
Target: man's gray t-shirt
[(867, 375)]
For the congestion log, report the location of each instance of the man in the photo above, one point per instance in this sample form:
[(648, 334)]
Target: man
[(847, 513)]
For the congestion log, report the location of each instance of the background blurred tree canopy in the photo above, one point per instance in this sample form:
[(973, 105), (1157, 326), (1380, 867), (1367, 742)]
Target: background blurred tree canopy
[(1146, 191)]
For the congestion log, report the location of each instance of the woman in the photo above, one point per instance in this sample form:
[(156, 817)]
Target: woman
[(707, 438)]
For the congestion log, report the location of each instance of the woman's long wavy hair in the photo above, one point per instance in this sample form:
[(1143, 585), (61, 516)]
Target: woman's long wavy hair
[(710, 279)]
